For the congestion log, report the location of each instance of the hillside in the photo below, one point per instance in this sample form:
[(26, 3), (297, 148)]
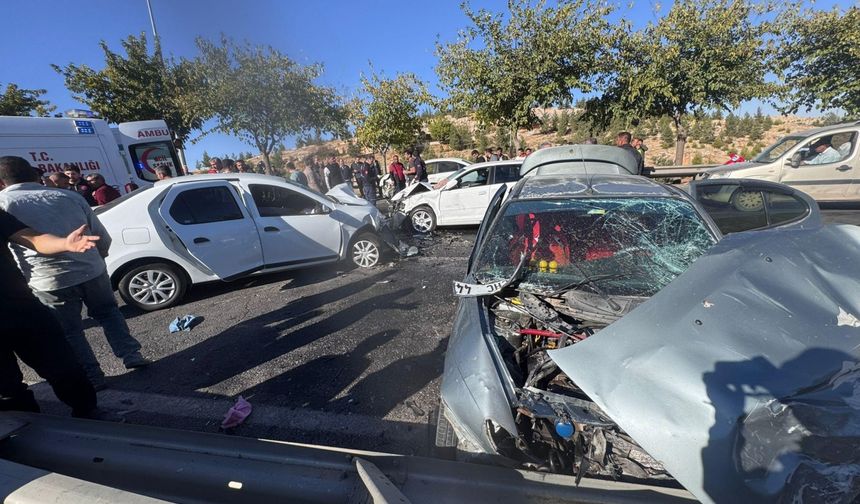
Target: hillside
[(711, 145)]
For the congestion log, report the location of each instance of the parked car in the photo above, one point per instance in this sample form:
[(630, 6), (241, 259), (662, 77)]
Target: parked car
[(462, 200), (189, 230), (793, 160), (439, 168), (573, 249)]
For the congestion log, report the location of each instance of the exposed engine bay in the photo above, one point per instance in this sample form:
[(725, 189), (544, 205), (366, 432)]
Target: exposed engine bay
[(560, 429)]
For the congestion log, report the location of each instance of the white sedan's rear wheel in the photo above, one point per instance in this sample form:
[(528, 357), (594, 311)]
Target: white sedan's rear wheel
[(152, 286)]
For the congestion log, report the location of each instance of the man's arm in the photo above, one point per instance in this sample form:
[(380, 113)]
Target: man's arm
[(49, 244)]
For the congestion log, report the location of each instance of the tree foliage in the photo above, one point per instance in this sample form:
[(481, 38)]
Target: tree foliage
[(16, 101), (504, 65), (701, 55), (141, 85), (263, 96), (387, 113), (821, 55)]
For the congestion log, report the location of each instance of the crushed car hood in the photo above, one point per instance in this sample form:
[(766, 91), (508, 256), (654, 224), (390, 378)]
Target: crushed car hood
[(741, 376), (344, 194), (418, 188)]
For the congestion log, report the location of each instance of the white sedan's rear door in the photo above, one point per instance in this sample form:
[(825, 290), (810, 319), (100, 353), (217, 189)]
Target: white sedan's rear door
[(214, 226)]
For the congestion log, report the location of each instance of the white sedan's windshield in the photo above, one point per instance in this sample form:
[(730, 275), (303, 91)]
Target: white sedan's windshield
[(776, 150)]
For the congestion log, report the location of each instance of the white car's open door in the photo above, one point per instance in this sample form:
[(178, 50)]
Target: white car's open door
[(214, 226)]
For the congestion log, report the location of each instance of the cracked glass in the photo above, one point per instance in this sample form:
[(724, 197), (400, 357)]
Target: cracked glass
[(631, 246)]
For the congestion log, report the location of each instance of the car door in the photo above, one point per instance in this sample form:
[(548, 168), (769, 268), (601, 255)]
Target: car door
[(295, 228), (744, 204), (466, 202), (214, 226), (830, 181)]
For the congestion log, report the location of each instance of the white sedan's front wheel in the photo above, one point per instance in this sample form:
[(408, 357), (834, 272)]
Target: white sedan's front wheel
[(423, 219), (365, 251)]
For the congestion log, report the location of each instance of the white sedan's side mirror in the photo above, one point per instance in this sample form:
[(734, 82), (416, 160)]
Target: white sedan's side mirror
[(795, 159), (451, 184)]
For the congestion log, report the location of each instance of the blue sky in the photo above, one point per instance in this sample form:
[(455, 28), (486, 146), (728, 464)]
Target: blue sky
[(397, 36)]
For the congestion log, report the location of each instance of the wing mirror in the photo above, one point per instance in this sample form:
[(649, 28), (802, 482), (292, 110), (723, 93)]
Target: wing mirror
[(451, 184), (795, 160)]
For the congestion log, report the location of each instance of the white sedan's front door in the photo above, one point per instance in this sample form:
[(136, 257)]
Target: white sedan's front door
[(466, 203), (295, 228), (214, 226)]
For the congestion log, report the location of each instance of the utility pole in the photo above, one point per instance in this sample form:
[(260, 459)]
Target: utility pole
[(181, 152)]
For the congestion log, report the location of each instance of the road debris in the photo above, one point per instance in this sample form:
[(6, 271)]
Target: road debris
[(185, 323), (236, 414)]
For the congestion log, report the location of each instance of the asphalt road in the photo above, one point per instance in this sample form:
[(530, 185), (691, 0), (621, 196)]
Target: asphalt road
[(342, 357)]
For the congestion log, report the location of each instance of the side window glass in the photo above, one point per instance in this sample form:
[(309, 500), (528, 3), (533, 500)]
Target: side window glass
[(204, 205), (507, 173), (828, 148), (733, 208), (276, 201), (475, 178), (431, 168), (448, 166), (783, 208)]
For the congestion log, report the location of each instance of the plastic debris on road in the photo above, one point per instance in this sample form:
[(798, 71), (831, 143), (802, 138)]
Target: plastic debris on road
[(184, 323), (236, 414)]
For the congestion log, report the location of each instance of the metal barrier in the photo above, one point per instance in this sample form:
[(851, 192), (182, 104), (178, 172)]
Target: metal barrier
[(182, 466), (676, 171)]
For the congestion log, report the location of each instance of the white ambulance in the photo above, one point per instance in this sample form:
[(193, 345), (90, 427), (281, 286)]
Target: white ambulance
[(126, 155)]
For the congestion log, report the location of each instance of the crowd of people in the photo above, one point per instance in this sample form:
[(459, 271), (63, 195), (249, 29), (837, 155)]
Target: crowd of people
[(52, 265)]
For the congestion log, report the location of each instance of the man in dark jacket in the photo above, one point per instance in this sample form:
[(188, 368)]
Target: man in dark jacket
[(417, 169), (623, 140)]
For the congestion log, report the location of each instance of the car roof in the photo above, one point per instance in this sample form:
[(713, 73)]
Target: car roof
[(494, 163), (249, 177), (823, 129), (452, 159), (595, 184), (580, 159)]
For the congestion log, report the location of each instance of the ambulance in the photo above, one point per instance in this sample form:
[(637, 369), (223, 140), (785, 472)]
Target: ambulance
[(126, 154)]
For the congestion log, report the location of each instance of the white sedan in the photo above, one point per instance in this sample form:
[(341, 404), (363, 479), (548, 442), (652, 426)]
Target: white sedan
[(461, 199), (190, 230)]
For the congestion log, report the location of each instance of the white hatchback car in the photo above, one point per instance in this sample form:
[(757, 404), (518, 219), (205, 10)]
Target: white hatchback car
[(190, 230), (462, 200)]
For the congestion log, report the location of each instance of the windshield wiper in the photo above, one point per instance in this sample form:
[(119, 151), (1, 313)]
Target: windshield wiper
[(592, 281), (584, 281)]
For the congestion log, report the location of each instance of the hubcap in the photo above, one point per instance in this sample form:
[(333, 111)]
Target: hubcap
[(749, 201), (365, 253), (152, 287), (422, 221)]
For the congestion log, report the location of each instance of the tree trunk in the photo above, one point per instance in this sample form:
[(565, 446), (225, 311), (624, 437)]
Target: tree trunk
[(266, 160), (680, 139), (515, 142)]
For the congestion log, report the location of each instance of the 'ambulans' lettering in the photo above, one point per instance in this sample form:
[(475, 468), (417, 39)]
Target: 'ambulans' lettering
[(154, 132)]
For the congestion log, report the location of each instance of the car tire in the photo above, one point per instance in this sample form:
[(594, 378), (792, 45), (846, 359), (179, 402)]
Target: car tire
[(422, 219), (445, 445), (153, 286), (365, 250), (747, 201)]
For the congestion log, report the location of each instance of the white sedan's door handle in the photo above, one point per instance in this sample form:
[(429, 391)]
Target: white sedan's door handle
[(481, 193), (844, 167)]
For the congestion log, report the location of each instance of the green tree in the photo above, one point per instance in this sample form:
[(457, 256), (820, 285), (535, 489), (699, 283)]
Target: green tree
[(441, 129), (667, 135), (732, 127), (206, 159), (142, 85), (505, 65), (461, 137), (820, 52), (701, 55), (277, 161), (263, 96), (16, 101), (387, 113)]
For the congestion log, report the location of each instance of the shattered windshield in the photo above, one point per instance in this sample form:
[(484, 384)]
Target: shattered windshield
[(628, 246)]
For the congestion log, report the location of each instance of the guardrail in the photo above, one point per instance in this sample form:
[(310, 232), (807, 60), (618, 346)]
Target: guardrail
[(676, 171), (117, 460)]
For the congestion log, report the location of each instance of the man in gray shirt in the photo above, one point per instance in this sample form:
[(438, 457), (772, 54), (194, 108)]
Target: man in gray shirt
[(65, 282)]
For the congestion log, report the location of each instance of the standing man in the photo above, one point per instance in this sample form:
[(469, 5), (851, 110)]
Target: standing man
[(241, 167), (368, 179), (417, 168), (639, 144), (623, 140), (79, 184), (476, 156), (64, 283), (31, 332), (358, 170), (61, 181), (296, 176), (215, 165), (398, 173), (102, 193), (346, 172), (332, 173)]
